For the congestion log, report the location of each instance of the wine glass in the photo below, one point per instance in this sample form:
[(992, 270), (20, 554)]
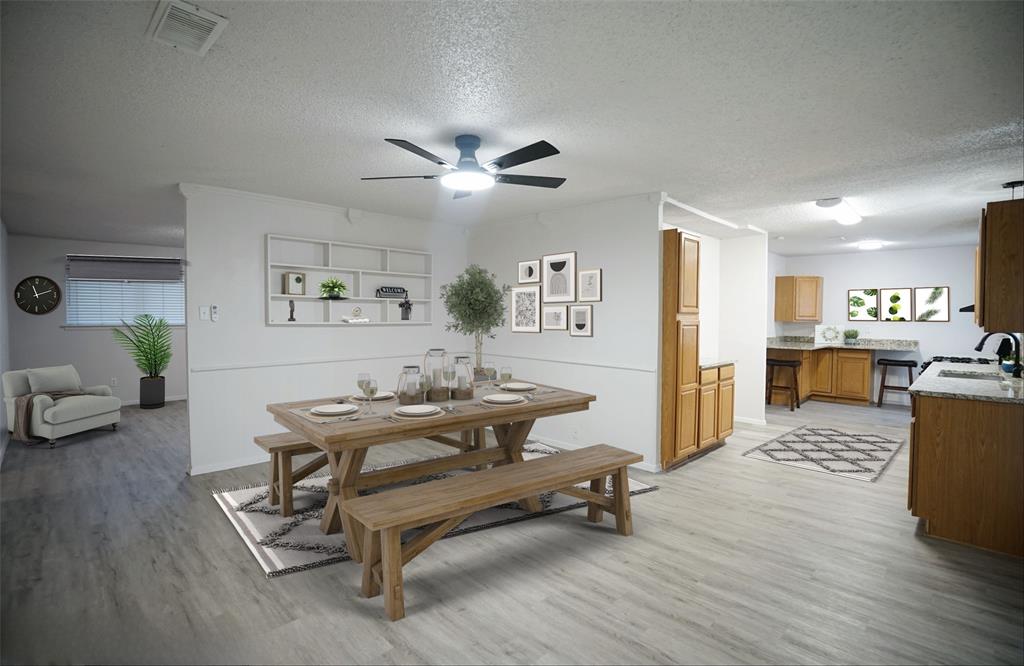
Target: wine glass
[(505, 374), (370, 390), (490, 371)]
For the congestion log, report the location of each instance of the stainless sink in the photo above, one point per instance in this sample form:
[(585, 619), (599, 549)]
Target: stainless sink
[(958, 374)]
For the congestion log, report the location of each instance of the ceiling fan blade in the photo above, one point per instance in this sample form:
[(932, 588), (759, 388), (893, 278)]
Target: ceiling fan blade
[(397, 177), (533, 181), (461, 194), (534, 151), (413, 148)]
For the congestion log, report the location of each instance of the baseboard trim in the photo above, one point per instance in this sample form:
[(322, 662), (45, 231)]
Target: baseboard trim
[(170, 398), (744, 419), (197, 470)]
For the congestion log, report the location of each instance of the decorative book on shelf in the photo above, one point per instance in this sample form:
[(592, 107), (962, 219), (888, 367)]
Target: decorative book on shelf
[(379, 279)]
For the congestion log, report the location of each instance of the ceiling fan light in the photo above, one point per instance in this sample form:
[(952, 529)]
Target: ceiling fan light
[(467, 180), (840, 210)]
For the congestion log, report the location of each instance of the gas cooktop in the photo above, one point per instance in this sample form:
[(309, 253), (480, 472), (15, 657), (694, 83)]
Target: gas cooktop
[(956, 359)]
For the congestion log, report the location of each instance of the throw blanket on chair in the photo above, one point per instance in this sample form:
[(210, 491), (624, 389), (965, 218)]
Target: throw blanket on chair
[(23, 411)]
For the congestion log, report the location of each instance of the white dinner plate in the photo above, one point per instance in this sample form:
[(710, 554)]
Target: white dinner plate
[(417, 410), (503, 399), (334, 410), (381, 395), (518, 386)]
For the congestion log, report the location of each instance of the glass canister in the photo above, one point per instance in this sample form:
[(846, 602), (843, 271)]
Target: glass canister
[(410, 391), (435, 367), (461, 383)]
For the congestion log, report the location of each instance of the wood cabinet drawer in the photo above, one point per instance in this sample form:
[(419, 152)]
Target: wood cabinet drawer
[(726, 372), (709, 376)]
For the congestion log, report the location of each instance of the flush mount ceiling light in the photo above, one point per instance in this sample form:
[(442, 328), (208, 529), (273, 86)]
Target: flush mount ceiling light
[(468, 181), (840, 210), (870, 245)]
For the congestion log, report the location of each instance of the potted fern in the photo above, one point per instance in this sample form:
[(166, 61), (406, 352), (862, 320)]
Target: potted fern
[(476, 305), (148, 340)]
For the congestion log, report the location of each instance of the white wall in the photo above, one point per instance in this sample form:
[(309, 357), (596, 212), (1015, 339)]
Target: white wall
[(42, 340), (238, 364), (709, 298), (5, 359), (935, 267), (620, 363), (743, 297), (776, 266)]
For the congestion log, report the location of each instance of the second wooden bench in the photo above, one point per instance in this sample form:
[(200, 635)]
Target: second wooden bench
[(440, 506)]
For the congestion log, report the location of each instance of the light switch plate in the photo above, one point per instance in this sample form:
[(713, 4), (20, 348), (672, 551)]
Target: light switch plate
[(204, 312)]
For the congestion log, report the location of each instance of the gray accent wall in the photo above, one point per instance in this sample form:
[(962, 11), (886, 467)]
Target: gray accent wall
[(42, 340)]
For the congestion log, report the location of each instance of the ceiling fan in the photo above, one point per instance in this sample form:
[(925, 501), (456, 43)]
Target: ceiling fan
[(467, 175)]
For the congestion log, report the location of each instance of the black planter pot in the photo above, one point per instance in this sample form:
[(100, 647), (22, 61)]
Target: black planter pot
[(151, 392)]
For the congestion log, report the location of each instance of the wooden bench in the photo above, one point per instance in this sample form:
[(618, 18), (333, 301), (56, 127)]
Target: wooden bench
[(281, 447), (440, 506)]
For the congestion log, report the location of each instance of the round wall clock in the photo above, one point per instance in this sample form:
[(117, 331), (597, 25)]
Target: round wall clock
[(37, 295)]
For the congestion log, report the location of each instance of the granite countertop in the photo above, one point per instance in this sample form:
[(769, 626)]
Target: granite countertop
[(929, 383), (807, 343), (710, 363)]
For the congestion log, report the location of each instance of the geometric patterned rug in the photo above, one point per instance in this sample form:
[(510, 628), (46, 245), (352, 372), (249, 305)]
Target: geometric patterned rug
[(855, 456), (289, 545)]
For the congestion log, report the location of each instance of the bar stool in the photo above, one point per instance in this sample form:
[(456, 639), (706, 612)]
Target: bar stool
[(887, 363), (770, 386)]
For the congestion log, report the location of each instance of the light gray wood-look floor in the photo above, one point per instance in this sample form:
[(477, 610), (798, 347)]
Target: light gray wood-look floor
[(110, 553)]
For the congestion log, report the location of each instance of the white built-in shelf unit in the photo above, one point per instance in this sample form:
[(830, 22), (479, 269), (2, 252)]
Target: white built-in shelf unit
[(363, 268)]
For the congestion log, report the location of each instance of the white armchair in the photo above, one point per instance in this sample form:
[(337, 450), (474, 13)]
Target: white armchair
[(64, 416)]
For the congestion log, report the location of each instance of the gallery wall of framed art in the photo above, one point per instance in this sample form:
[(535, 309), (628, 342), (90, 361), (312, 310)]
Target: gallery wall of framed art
[(550, 295), (898, 304)]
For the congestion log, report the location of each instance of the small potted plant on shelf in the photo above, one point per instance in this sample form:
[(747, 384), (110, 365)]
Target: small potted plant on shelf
[(148, 340), (476, 305), (333, 288), (850, 336)]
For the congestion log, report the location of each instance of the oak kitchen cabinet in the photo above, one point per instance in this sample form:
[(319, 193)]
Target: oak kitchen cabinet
[(696, 403), (835, 375), (999, 268), (798, 298), (967, 471)]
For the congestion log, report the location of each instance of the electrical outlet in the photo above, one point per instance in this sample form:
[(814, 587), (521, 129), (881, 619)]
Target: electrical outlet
[(214, 313), (113, 381)]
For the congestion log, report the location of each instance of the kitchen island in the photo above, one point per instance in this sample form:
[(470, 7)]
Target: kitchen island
[(967, 456), (831, 371)]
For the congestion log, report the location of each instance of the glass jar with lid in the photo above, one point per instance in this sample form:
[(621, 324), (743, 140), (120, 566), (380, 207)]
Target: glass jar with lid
[(461, 383), (410, 391), (436, 367)]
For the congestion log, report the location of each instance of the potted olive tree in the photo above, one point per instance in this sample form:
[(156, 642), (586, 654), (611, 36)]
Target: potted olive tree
[(476, 305), (148, 340)]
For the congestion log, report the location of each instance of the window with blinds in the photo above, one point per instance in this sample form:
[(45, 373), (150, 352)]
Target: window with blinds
[(106, 290)]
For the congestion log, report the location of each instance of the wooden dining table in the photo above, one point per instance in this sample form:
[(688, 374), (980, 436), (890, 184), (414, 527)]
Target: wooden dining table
[(345, 442)]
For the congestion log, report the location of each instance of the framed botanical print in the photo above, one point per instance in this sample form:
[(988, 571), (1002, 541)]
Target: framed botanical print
[(931, 304), (558, 273), (529, 271), (862, 304), (525, 315), (589, 285), (896, 304), (556, 318), (294, 284), (581, 321)]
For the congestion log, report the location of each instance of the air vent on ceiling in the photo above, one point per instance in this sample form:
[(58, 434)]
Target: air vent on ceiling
[(186, 27)]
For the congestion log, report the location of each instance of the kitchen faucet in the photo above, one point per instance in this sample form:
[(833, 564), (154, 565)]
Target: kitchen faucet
[(1016, 349)]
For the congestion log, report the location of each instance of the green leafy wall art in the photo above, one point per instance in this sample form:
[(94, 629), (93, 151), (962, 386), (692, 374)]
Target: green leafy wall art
[(931, 303), (896, 304), (862, 304)]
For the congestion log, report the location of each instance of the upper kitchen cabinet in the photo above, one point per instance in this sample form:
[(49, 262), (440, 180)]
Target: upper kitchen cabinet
[(999, 273), (798, 298)]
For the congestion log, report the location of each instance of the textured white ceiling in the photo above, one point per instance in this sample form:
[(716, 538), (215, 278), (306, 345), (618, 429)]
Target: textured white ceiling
[(748, 111)]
